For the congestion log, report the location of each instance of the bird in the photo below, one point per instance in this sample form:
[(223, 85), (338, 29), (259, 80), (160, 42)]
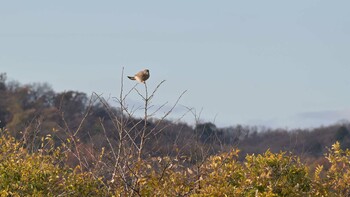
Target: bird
[(141, 76)]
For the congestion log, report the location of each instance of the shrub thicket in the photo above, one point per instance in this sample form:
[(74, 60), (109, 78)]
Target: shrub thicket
[(41, 173), (44, 173)]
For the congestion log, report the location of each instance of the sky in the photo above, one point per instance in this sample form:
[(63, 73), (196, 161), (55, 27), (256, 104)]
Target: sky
[(267, 63)]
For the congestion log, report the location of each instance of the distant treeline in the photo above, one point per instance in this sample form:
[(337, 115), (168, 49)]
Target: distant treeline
[(32, 111)]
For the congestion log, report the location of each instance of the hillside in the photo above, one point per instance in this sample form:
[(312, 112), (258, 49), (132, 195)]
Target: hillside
[(78, 134), (35, 110)]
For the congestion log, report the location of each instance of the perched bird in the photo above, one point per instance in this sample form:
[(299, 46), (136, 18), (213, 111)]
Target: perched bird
[(141, 76)]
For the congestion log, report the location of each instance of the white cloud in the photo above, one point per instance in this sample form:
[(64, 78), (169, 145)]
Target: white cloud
[(306, 119), (326, 115)]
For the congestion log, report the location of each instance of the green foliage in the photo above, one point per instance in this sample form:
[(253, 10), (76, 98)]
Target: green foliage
[(44, 173), (220, 175), (338, 176), (276, 175), (262, 175), (40, 173)]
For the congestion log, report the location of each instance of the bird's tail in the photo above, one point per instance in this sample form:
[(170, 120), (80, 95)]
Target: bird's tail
[(132, 78)]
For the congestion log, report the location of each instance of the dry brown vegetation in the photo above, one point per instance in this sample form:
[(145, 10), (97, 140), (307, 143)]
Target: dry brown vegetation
[(85, 140)]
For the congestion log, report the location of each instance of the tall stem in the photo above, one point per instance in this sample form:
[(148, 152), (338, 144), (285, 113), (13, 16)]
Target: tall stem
[(144, 130)]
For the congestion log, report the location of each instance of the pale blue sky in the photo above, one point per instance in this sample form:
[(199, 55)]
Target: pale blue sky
[(272, 63)]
